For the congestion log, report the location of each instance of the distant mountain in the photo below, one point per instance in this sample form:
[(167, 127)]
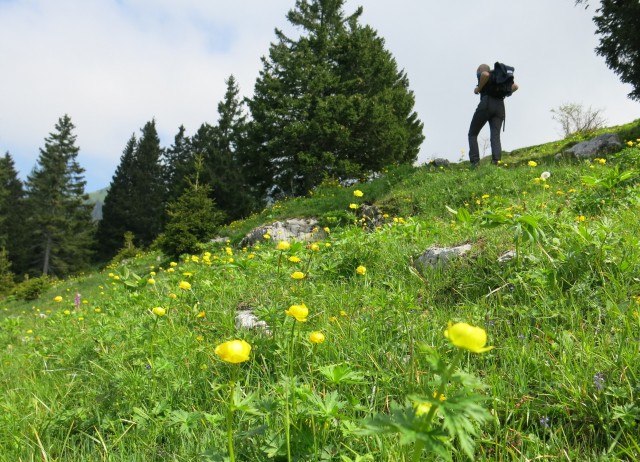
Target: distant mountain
[(96, 198)]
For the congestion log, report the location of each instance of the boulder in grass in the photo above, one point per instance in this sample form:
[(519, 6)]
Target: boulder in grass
[(440, 256), (295, 229), (600, 145)]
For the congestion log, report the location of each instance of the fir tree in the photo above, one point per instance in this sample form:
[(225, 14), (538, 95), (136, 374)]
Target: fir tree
[(6, 275), (193, 218), (331, 103), (224, 166), (178, 165), (59, 217), (115, 209), (13, 231), (137, 194)]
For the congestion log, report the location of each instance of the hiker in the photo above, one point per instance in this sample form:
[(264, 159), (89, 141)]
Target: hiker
[(490, 109)]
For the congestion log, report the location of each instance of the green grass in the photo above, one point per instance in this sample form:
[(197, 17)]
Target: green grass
[(108, 380)]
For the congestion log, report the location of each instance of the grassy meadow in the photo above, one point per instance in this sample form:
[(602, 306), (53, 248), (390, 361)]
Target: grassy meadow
[(131, 363)]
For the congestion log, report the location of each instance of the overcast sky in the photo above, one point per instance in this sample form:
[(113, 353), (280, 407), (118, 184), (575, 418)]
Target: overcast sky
[(113, 65)]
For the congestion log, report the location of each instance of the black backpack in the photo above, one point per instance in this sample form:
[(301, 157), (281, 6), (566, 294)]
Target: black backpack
[(501, 81)]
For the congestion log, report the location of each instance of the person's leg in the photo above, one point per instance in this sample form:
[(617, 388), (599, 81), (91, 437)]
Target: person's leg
[(480, 118), (496, 119)]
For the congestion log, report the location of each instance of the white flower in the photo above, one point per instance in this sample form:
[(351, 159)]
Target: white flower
[(545, 175)]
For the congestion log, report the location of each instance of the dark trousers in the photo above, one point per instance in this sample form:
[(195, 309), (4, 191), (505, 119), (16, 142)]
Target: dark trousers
[(489, 110)]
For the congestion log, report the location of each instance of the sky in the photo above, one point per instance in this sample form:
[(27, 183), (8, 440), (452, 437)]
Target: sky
[(113, 65)]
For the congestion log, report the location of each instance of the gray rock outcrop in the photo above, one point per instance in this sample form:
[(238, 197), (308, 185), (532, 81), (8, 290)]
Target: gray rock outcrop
[(598, 146), (295, 229), (440, 256)]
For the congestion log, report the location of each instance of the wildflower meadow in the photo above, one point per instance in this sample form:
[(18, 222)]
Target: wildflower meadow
[(525, 348)]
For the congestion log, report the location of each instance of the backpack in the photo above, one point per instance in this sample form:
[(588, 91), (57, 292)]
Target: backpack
[(501, 81)]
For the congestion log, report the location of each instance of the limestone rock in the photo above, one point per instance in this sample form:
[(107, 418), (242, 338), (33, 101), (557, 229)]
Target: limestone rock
[(598, 146), (440, 255), (295, 229)]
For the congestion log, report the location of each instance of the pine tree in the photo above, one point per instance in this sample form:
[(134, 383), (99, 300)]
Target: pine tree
[(59, 217), (193, 218), (178, 165), (331, 103), (224, 166), (13, 231), (6, 275), (137, 194), (115, 209)]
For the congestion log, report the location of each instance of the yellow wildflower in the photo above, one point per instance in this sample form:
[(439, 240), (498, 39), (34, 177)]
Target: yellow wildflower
[(294, 259), (316, 337), (532, 163), (57, 299), (159, 311), (297, 275), (300, 312), (283, 245), (358, 193), (151, 281), (234, 351), (468, 337), (353, 206), (361, 270), (184, 285)]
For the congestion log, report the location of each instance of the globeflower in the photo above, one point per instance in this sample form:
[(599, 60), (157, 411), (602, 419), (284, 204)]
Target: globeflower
[(151, 281), (467, 337), (294, 259), (314, 247), (184, 285), (57, 299), (532, 163), (297, 275), (361, 270), (233, 351), (358, 193), (316, 337), (353, 206), (283, 245), (300, 312), (159, 311)]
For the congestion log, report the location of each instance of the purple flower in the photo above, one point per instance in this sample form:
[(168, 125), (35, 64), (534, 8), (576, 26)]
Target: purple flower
[(544, 421), (598, 381), (77, 300)]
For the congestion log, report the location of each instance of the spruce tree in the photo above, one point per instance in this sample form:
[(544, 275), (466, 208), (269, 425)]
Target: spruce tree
[(177, 165), (13, 231), (115, 209), (137, 194), (330, 104), (193, 218), (224, 170), (59, 217)]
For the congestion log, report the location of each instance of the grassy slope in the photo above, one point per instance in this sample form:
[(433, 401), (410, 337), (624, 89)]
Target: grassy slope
[(77, 385)]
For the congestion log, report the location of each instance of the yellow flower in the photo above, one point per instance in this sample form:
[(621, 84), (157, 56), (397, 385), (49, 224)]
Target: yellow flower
[(466, 336), (300, 312), (314, 247), (581, 218), (97, 310), (358, 193), (173, 264), (486, 196), (333, 319), (353, 206), (361, 270), (233, 351), (159, 311), (57, 299), (67, 312), (151, 281), (266, 236), (602, 161), (170, 270), (172, 295), (424, 407), (184, 285), (532, 163), (200, 338), (283, 245), (316, 337), (294, 259), (327, 229), (343, 313), (202, 314), (152, 273), (195, 258), (297, 275), (630, 143)]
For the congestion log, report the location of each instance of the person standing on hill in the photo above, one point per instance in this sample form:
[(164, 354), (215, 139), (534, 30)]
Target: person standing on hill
[(490, 109)]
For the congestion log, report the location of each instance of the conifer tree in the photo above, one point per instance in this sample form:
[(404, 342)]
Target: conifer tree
[(224, 170), (193, 218), (115, 209), (6, 275), (13, 229), (331, 103), (137, 194), (59, 217), (178, 165)]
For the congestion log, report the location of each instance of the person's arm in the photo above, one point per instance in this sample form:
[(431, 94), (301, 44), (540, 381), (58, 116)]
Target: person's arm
[(484, 78)]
